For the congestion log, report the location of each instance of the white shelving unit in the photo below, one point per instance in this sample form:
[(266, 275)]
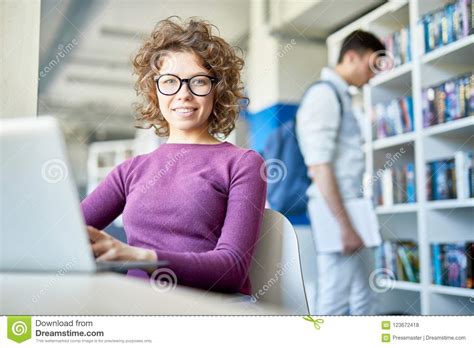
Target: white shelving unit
[(397, 208), (393, 141), (400, 285), (450, 204), (424, 222), (398, 74), (103, 157)]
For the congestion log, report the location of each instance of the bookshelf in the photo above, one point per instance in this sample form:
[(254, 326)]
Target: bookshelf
[(397, 208), (402, 285), (103, 157), (457, 51), (450, 290), (450, 204), (392, 141), (464, 126), (425, 222), (396, 76)]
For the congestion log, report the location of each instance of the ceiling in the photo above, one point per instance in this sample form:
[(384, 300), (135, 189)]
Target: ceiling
[(320, 17)]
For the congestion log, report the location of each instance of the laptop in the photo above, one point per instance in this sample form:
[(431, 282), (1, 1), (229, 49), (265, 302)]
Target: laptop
[(42, 226)]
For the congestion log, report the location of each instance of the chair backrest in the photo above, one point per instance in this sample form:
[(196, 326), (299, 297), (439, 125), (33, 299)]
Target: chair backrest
[(276, 271)]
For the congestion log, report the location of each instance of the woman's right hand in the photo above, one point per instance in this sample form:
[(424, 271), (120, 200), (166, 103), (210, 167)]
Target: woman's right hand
[(107, 248)]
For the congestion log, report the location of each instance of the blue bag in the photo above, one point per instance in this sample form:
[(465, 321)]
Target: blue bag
[(287, 179)]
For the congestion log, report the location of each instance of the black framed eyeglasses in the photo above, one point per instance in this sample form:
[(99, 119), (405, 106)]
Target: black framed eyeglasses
[(199, 85)]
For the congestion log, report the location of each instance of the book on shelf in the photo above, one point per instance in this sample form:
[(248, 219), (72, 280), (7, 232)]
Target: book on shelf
[(452, 264), (446, 25), (450, 178), (397, 186), (398, 44), (400, 258), (387, 188), (448, 101), (393, 118)]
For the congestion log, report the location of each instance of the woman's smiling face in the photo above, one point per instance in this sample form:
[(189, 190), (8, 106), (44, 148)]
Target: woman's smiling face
[(185, 112)]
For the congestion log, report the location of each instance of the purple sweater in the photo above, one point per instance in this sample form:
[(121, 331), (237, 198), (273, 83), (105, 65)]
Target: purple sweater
[(199, 206)]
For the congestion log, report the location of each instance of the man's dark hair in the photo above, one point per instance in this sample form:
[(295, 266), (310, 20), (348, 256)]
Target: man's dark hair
[(361, 41)]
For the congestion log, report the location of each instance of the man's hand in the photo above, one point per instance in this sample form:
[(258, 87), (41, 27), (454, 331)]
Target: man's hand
[(351, 241), (107, 248)]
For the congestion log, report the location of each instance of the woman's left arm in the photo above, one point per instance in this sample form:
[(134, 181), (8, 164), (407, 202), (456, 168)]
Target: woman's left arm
[(107, 201)]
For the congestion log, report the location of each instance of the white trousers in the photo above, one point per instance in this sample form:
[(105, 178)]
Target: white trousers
[(343, 283)]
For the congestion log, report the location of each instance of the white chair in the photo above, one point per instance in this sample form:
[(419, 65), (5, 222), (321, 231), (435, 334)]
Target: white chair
[(283, 265)]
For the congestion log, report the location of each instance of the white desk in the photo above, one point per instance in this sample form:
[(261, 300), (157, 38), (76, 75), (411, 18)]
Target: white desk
[(112, 294)]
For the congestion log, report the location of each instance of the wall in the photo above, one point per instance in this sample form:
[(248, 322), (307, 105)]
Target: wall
[(19, 50)]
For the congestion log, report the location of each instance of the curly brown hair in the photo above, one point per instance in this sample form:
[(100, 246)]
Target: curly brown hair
[(216, 55)]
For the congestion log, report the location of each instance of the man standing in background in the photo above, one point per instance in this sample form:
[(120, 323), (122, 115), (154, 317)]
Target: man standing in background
[(331, 143)]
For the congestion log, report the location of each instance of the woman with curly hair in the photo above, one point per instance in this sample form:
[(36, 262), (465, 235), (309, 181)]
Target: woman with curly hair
[(195, 201)]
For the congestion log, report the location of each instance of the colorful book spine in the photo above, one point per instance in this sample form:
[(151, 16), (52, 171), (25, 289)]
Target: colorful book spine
[(429, 109), (470, 265), (410, 183), (397, 185), (469, 91), (471, 178), (408, 269), (455, 265), (440, 103), (437, 264), (452, 264), (394, 118), (450, 178), (429, 181), (463, 164), (448, 24), (399, 45), (448, 101), (401, 258), (440, 180), (387, 187)]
